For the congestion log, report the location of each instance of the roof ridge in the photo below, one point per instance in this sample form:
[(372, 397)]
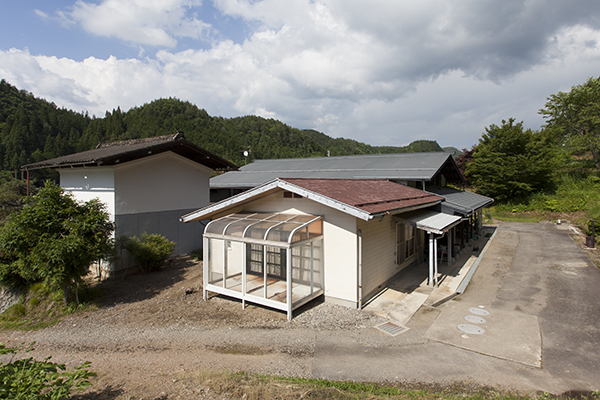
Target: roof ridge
[(129, 142)]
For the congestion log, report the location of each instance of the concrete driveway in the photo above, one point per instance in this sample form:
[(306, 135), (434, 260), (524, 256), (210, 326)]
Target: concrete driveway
[(529, 320)]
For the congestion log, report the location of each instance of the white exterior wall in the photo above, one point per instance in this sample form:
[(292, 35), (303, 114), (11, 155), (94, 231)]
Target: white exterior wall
[(340, 246), (378, 254), (163, 182), (89, 183)]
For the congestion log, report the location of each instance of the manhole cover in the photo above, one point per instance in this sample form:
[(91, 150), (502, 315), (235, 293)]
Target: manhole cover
[(392, 329), (472, 329), (478, 311), (475, 319)]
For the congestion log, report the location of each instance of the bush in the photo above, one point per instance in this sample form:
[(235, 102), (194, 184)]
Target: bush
[(151, 251), (28, 378)]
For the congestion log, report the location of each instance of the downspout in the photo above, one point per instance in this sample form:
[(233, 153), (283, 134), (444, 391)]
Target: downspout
[(360, 269)]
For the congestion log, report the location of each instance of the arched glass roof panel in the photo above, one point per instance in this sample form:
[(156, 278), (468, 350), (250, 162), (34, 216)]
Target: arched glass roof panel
[(273, 227)]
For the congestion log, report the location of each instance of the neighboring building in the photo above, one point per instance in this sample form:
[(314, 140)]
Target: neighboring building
[(290, 240), (147, 184), (419, 170)]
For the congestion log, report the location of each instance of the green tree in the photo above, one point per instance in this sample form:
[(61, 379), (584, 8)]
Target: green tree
[(575, 116), (510, 162), (54, 239)]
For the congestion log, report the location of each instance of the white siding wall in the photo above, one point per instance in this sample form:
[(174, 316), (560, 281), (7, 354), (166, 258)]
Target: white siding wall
[(339, 246), (89, 183), (378, 254), (162, 182)]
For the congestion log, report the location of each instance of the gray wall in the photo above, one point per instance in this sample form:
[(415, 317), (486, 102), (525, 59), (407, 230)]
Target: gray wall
[(187, 236)]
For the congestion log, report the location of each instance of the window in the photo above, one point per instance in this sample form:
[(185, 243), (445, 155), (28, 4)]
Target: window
[(275, 261)]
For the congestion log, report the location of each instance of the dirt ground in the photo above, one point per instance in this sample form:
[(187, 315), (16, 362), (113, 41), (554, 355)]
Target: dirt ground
[(150, 338)]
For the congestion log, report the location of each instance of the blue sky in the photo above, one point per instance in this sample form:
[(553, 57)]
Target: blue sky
[(384, 72)]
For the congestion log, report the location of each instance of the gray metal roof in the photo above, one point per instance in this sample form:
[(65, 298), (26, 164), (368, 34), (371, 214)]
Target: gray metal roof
[(430, 221), (403, 166), (461, 201)]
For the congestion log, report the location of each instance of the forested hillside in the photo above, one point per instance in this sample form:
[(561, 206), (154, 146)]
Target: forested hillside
[(33, 129)]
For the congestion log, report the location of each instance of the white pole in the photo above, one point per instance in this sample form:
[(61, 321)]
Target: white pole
[(450, 246), (431, 257), (435, 264)]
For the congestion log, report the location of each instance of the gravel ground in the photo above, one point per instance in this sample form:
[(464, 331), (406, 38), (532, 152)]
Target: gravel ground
[(148, 338)]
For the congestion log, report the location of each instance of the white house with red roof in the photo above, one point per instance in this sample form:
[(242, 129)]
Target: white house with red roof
[(290, 240)]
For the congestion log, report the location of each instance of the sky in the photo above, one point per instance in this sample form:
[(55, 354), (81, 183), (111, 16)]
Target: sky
[(383, 72)]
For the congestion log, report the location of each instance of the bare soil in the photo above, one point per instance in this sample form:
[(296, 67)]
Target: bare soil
[(153, 337)]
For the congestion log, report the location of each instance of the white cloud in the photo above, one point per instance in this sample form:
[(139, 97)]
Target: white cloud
[(387, 73), (147, 22)]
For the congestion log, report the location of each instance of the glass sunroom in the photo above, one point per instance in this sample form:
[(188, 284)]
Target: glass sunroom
[(271, 259)]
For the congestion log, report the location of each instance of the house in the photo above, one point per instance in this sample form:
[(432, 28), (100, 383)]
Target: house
[(146, 184), (289, 240), (419, 170), (431, 172)]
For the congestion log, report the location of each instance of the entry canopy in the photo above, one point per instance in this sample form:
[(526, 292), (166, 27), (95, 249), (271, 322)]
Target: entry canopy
[(268, 227), (430, 221)]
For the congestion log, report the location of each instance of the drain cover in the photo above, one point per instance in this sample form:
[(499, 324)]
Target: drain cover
[(478, 311), (391, 328), (474, 319), (472, 329)]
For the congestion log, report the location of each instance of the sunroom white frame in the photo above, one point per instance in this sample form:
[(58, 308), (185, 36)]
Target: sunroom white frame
[(316, 288)]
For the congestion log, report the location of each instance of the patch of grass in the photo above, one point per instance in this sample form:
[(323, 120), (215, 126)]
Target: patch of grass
[(251, 386), (39, 308)]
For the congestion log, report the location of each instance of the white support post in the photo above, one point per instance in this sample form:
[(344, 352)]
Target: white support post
[(435, 264), (244, 266), (205, 267), (432, 255), (265, 272), (450, 244), (288, 278), (225, 264)]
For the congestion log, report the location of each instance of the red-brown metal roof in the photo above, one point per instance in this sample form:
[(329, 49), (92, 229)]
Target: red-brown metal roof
[(370, 195)]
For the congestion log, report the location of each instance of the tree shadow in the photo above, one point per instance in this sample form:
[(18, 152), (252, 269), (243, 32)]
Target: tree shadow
[(134, 287)]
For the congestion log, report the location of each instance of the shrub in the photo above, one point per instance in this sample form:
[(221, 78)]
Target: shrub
[(28, 378), (151, 251)]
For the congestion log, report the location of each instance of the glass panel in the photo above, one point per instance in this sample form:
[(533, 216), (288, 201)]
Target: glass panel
[(281, 217), (301, 234), (219, 225), (315, 229), (215, 262), (276, 273), (317, 264), (301, 260), (281, 233), (254, 269), (235, 254), (259, 230), (302, 219), (237, 228)]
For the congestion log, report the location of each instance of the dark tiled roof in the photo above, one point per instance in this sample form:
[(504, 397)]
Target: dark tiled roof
[(128, 150), (370, 195)]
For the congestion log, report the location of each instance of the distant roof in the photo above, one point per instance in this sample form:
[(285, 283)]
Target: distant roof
[(362, 198), (461, 201), (127, 150), (400, 166)]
